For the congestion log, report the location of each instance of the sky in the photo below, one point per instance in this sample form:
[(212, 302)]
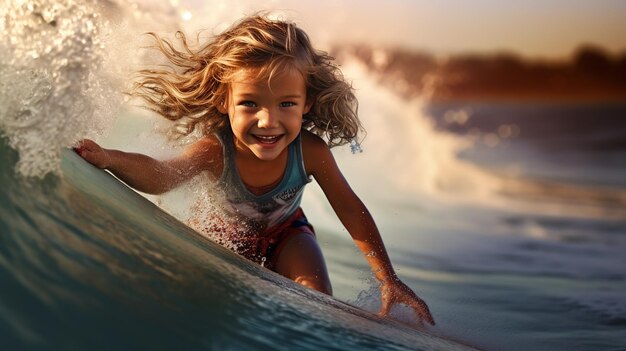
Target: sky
[(533, 28)]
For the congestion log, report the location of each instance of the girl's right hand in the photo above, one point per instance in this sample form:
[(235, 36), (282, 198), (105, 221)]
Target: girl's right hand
[(394, 291), (93, 153)]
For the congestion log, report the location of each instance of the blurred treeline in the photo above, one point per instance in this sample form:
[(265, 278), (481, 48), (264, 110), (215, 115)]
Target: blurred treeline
[(589, 74)]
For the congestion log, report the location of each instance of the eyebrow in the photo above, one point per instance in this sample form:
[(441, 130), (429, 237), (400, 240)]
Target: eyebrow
[(289, 96)]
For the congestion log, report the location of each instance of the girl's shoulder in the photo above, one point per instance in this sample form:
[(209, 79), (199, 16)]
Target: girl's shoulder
[(312, 142), (207, 154), (207, 145), (315, 151)]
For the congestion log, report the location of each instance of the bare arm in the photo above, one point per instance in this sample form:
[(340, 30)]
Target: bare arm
[(358, 221), (149, 175)]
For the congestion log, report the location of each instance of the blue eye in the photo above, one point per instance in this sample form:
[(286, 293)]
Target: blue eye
[(247, 104), (287, 104)]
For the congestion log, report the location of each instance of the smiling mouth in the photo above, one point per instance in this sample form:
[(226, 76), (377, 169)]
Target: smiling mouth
[(268, 139)]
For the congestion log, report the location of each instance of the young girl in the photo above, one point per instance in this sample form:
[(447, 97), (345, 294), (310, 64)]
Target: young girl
[(265, 100)]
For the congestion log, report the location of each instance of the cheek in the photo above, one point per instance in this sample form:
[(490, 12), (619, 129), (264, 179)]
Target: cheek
[(239, 121), (295, 124), (234, 121)]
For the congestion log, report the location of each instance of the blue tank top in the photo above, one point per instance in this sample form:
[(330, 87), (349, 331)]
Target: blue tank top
[(274, 207)]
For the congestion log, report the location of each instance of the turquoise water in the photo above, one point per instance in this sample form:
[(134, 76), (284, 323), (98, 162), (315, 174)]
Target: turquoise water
[(86, 263)]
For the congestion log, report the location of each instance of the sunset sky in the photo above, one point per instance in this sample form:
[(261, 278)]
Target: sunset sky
[(534, 28)]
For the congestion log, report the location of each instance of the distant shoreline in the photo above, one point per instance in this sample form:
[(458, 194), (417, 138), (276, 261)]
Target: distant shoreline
[(591, 75)]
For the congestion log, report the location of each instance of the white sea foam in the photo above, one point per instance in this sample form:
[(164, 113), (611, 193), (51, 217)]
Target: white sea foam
[(53, 89)]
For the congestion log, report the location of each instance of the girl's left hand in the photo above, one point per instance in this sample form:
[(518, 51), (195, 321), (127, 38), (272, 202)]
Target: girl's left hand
[(93, 153), (395, 291)]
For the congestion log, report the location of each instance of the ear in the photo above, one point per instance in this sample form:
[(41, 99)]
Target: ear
[(223, 107), (308, 105)]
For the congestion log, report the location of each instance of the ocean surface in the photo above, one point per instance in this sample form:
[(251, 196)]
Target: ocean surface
[(508, 219)]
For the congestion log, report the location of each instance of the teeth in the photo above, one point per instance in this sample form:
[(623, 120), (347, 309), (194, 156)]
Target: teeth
[(267, 139)]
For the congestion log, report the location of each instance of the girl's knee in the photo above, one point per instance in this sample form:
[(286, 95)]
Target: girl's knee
[(301, 260), (319, 283)]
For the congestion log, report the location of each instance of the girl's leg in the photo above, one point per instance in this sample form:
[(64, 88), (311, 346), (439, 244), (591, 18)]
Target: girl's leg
[(300, 259)]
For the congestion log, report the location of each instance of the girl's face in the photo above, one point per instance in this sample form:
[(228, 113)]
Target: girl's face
[(266, 117)]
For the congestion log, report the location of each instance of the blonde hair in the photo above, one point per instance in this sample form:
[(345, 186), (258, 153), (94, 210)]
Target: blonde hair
[(196, 84)]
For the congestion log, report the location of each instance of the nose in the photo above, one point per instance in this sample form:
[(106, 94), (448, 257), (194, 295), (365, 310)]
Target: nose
[(267, 119)]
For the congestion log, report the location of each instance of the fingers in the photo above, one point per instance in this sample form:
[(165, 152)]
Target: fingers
[(384, 309), (82, 146), (93, 153), (411, 300), (87, 144), (422, 310), (78, 147)]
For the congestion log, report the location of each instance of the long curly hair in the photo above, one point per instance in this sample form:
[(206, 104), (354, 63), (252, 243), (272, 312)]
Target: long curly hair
[(195, 83)]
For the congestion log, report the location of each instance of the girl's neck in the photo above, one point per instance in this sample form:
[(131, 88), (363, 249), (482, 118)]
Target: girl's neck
[(260, 176)]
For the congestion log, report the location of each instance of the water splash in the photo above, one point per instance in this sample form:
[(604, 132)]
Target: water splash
[(53, 90), (355, 147), (402, 141)]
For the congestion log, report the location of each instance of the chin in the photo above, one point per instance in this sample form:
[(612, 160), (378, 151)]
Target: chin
[(266, 156)]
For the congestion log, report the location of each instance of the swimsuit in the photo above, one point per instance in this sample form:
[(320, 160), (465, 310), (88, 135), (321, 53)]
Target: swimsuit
[(269, 219)]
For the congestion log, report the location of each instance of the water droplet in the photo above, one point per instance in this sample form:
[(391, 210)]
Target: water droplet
[(355, 147)]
